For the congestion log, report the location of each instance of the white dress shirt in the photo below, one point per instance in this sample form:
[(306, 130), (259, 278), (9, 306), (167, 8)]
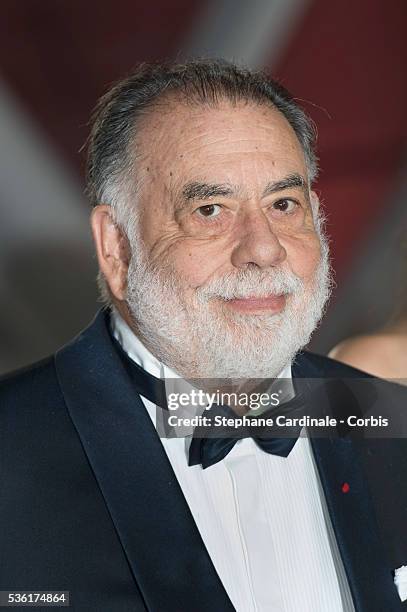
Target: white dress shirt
[(262, 518)]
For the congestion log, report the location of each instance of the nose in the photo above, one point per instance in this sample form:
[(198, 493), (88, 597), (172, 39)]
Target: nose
[(258, 244)]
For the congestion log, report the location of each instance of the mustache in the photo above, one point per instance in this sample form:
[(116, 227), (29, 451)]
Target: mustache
[(250, 283)]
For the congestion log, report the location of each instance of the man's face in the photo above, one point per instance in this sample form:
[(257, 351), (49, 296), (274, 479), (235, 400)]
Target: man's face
[(211, 202), (227, 226)]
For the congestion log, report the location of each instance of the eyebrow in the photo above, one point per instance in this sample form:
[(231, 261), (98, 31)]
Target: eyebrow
[(289, 182), (201, 191)]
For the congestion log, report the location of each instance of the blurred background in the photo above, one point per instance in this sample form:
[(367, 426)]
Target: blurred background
[(345, 61)]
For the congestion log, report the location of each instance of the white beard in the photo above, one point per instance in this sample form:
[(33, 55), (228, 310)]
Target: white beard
[(204, 338)]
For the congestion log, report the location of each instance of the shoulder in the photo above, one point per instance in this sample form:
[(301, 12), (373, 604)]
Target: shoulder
[(34, 421), (315, 365), (381, 354), (358, 347), (33, 384)]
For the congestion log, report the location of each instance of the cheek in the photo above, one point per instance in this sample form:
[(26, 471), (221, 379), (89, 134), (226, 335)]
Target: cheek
[(195, 265), (304, 256)]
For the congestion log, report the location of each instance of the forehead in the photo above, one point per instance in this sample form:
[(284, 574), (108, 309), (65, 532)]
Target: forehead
[(241, 144)]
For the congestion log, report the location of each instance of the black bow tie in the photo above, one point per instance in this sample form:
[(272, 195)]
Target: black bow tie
[(206, 449)]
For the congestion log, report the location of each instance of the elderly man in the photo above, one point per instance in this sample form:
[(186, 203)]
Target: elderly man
[(213, 264)]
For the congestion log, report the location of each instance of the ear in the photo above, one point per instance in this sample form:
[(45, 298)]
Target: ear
[(112, 249)]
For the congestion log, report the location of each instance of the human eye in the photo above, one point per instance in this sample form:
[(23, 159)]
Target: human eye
[(209, 210), (285, 205)]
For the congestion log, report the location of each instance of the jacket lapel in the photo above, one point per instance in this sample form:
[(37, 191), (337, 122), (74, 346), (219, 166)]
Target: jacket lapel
[(352, 515), (160, 539)]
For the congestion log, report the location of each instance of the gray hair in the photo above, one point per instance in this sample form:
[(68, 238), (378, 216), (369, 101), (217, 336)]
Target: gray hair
[(111, 158)]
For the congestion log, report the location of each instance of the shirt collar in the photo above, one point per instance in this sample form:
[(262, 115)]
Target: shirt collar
[(136, 350)]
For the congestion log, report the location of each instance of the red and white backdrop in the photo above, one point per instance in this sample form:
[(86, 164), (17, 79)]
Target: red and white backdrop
[(344, 60)]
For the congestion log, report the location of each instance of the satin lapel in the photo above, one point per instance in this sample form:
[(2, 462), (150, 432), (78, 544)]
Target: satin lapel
[(161, 541), (353, 517)]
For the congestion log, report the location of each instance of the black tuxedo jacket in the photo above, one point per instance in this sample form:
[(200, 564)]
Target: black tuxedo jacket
[(89, 502)]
